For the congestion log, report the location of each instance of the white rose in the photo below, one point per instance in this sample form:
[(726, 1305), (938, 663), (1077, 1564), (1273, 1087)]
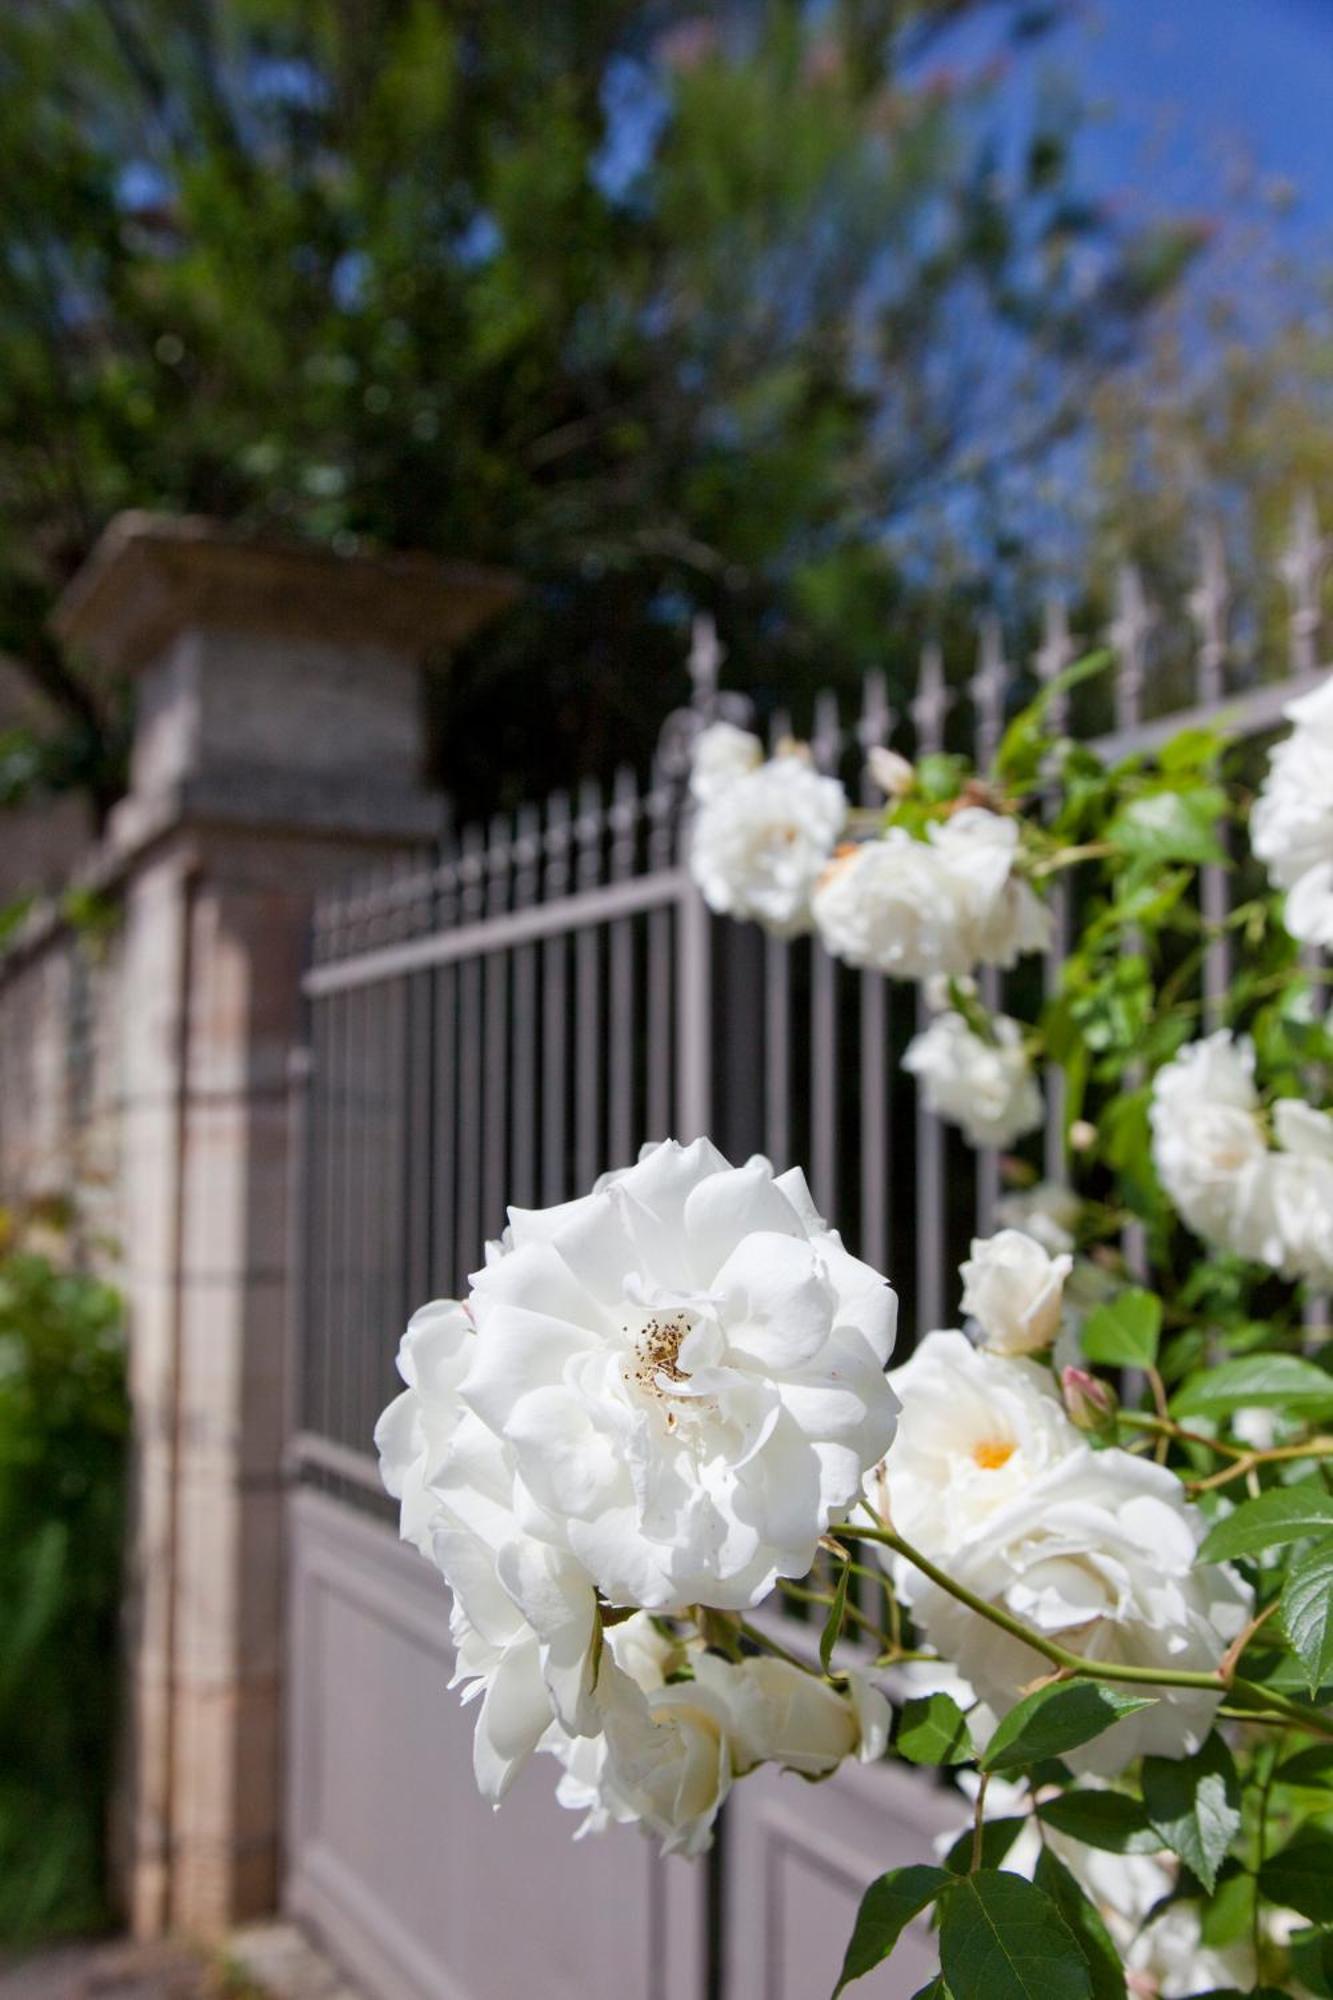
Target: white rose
[(923, 909), (893, 905), (668, 1753), (892, 773), (1005, 915), (722, 753), (1285, 1216), (975, 1429), (523, 1617), (1097, 1554), (1014, 1291), (1207, 1142), (795, 1719), (1309, 909), (1291, 827), (761, 841), (414, 1431), (687, 1370), (1048, 1212), (985, 1088)]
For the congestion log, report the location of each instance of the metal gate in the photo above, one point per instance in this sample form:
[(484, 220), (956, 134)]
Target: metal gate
[(500, 1025)]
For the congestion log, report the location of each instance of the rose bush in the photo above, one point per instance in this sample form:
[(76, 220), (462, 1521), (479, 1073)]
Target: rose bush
[(1078, 1554)]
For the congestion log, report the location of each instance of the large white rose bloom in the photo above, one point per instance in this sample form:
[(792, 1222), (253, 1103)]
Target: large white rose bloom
[(1015, 1291), (722, 753), (986, 1088), (974, 1431), (762, 837), (670, 1751), (524, 1612), (1097, 1554), (918, 909), (1287, 1220), (1207, 1140), (687, 1368), (1291, 828)]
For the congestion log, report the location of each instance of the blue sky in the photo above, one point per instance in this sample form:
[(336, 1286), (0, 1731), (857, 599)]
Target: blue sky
[(1192, 88)]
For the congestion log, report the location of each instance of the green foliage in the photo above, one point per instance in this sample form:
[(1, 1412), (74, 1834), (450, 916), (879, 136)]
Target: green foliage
[(1054, 1719), (1125, 1331), (63, 1428), (1287, 1514), (933, 1730), (1307, 1612), (887, 1908), (1001, 1938), (1193, 1805), (1085, 1921)]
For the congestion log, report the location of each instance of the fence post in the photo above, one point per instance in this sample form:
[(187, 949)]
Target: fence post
[(276, 748)]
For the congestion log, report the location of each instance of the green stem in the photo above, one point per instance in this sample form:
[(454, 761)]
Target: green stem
[(1075, 1667), (758, 1638)]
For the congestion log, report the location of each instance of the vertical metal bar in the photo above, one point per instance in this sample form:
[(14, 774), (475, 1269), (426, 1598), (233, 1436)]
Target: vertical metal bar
[(1056, 652), (875, 1246), (1128, 633), (661, 924), (826, 744), (987, 688), (472, 898), (929, 710), (523, 1095), (555, 1073), (444, 1278), (1208, 605), (588, 829), (694, 1013), (494, 1172), (622, 1022)]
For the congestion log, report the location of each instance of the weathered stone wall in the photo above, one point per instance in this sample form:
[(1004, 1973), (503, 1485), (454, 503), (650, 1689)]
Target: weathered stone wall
[(144, 1078)]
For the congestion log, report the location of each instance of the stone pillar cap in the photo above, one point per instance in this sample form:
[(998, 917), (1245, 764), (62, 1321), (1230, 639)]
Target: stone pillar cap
[(151, 575)]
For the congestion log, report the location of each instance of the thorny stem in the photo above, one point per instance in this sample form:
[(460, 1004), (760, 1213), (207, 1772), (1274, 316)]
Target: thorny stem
[(1249, 1461), (770, 1645), (853, 1611), (1075, 1667)]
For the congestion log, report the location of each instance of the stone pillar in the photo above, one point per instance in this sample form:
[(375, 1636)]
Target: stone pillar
[(277, 748)]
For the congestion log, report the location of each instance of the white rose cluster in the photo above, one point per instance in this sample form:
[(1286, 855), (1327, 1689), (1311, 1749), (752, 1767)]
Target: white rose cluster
[(656, 1397), (763, 832), (1095, 1550), (917, 909), (1272, 1204), (763, 847), (1291, 828)]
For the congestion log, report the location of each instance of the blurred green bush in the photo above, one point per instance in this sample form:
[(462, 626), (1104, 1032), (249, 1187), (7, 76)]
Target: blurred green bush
[(64, 1426)]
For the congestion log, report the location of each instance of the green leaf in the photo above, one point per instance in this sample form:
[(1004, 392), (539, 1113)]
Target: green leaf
[(1194, 1804), (936, 1990), (1001, 1938), (1056, 1719), (997, 1837), (1268, 1381), (887, 1908), (1312, 1960), (1307, 1611), (934, 1730), (1109, 1820), (1300, 1877), (1085, 1921), (832, 1632), (1124, 1332), (1308, 1767), (1171, 825), (1287, 1514)]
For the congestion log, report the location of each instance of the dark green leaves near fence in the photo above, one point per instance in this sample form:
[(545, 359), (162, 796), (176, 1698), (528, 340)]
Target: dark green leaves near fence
[(934, 1730), (1193, 1803), (1288, 1514), (1110, 1820), (1056, 1719), (63, 1427), (1001, 1938), (1263, 1381), (1124, 1333), (887, 1908), (1307, 1612), (1085, 1921), (1300, 1876)]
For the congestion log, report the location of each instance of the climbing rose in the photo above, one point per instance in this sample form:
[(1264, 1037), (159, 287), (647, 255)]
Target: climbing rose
[(986, 1088), (1014, 1291), (763, 837)]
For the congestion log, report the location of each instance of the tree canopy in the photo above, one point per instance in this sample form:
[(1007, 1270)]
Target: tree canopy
[(666, 309)]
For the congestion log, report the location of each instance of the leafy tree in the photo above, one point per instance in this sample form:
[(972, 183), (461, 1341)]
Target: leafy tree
[(665, 310)]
